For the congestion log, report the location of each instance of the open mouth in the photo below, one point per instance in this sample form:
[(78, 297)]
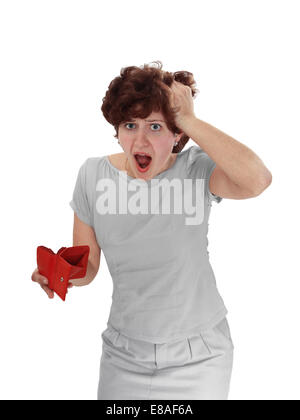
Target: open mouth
[(143, 162)]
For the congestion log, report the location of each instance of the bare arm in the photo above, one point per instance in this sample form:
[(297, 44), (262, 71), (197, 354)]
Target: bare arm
[(239, 172), (84, 234)]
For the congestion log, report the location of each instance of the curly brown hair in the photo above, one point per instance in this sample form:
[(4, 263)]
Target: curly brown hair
[(137, 92)]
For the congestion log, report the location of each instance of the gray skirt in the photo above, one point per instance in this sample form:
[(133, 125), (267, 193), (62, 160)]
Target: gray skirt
[(195, 368)]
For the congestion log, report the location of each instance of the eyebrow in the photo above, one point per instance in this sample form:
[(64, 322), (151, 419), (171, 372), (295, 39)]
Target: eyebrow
[(150, 120)]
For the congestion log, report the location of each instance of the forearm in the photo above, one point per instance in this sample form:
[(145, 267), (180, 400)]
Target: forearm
[(91, 273), (239, 162)]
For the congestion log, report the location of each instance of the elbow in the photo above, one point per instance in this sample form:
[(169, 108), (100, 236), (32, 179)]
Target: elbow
[(263, 183)]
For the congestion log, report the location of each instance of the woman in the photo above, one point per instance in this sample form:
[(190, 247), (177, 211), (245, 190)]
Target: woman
[(147, 209)]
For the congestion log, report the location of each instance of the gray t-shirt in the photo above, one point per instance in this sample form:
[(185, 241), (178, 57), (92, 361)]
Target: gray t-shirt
[(154, 238)]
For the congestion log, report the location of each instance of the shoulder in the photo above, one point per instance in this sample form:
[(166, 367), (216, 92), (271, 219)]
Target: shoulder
[(200, 165), (117, 160), (96, 166), (196, 152), (90, 166), (197, 156)]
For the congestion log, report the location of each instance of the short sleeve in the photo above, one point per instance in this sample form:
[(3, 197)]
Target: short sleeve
[(201, 166), (80, 202)]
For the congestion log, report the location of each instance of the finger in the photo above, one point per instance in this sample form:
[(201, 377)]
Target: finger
[(49, 292), (165, 87), (39, 278), (35, 274)]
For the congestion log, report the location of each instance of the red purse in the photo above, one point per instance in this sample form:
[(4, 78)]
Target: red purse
[(67, 263)]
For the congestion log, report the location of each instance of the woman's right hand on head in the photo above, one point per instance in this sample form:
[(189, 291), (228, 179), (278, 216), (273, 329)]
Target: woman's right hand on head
[(43, 282)]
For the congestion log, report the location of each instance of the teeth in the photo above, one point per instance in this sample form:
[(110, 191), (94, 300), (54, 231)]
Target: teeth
[(143, 154)]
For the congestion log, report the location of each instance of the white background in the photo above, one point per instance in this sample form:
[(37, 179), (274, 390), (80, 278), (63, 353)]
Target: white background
[(57, 60)]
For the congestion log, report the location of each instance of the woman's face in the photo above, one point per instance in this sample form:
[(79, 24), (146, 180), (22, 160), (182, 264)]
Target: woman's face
[(152, 137)]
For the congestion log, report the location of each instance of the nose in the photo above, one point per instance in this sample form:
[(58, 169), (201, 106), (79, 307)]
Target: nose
[(141, 138)]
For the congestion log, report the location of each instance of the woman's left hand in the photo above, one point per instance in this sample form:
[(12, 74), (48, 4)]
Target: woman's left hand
[(180, 95)]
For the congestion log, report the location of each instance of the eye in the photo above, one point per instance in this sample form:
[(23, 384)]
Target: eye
[(151, 125), (127, 124), (158, 125)]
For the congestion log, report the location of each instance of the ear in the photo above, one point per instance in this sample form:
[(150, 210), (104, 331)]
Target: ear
[(178, 136)]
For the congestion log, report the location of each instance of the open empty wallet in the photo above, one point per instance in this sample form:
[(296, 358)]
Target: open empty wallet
[(66, 264)]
